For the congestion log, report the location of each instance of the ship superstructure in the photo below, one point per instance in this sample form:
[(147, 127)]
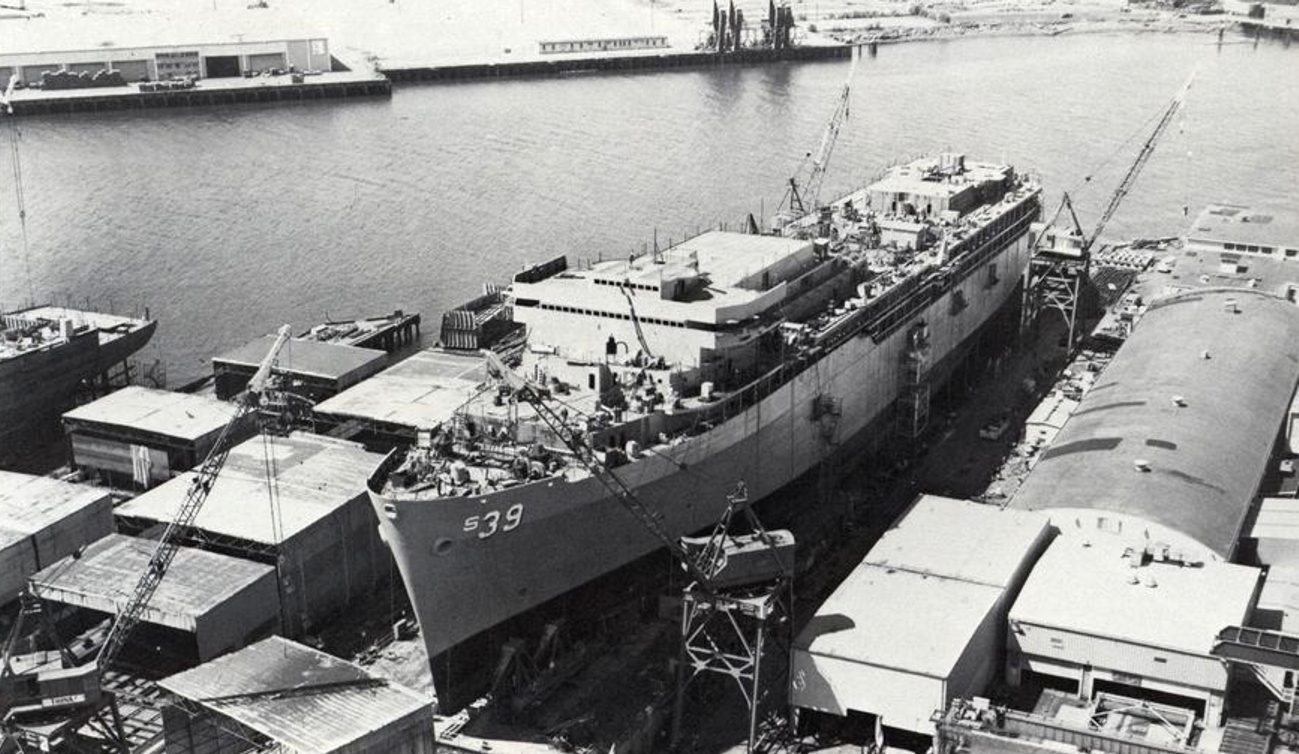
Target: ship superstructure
[(727, 357)]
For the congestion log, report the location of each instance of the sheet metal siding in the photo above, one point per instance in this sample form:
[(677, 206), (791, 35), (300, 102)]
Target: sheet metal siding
[(1178, 668), (412, 734), (17, 562), (184, 733), (981, 660), (250, 613), (829, 684), (60, 538), (335, 561)]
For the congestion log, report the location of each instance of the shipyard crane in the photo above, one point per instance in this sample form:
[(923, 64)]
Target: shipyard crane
[(77, 693), (1134, 170), (802, 200), (1062, 257), (722, 630)]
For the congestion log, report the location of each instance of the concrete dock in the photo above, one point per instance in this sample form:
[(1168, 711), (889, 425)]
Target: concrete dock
[(225, 91)]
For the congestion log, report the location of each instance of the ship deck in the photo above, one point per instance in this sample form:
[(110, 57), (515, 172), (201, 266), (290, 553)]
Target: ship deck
[(47, 318)]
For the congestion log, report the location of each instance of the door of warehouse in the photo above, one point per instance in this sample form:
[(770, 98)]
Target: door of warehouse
[(259, 63), (222, 66)]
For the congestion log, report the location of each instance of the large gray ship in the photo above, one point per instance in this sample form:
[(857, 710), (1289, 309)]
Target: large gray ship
[(727, 357)]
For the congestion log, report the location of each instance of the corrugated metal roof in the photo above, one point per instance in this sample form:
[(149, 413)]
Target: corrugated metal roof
[(307, 721), (957, 539), (1205, 458), (106, 574), (311, 357), (314, 476), (31, 503), (422, 391), (163, 412), (899, 619), (1083, 585)]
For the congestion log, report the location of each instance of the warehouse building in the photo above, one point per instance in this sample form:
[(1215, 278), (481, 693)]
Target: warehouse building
[(224, 59), (922, 619), (139, 436), (1100, 615), (298, 503), (42, 520), (419, 393), (208, 604), (280, 695), (313, 369), (1150, 483), (1249, 230)]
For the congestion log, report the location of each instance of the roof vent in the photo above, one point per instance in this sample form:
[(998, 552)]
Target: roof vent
[(1141, 465), (1179, 401), (1204, 354), (1230, 306), (1150, 582), (1133, 578)]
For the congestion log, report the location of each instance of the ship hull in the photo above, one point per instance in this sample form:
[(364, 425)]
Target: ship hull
[(37, 388), (470, 563)]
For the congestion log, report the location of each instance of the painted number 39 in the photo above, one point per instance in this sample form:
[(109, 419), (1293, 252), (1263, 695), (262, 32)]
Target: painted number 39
[(491, 522)]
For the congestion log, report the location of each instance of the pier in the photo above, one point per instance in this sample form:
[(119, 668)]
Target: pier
[(585, 64), (205, 92)]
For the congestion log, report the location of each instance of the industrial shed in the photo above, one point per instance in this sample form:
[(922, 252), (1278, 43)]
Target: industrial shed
[(922, 619), (314, 369), (216, 601), (1103, 616), (1151, 483), (280, 694), (420, 392), (320, 529), (42, 520), (142, 436), (1172, 442)]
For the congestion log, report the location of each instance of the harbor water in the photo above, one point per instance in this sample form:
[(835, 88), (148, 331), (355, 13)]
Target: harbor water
[(226, 222)]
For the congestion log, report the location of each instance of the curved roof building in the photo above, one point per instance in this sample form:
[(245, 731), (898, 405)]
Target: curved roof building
[(1171, 443)]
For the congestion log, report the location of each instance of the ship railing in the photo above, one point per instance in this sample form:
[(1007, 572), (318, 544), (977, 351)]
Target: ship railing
[(890, 311)]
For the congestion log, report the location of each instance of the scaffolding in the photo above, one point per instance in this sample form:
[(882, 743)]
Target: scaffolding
[(913, 415)]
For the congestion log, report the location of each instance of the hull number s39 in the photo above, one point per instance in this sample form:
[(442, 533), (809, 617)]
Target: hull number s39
[(494, 521)]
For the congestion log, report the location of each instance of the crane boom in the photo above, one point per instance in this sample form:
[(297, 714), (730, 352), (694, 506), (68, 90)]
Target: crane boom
[(807, 200), (576, 443), (1134, 170), (195, 497)]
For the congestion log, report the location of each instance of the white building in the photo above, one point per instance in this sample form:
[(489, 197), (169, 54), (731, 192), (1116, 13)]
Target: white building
[(922, 620)]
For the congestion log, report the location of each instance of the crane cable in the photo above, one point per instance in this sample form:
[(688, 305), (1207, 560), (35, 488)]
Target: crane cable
[(16, 168)]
